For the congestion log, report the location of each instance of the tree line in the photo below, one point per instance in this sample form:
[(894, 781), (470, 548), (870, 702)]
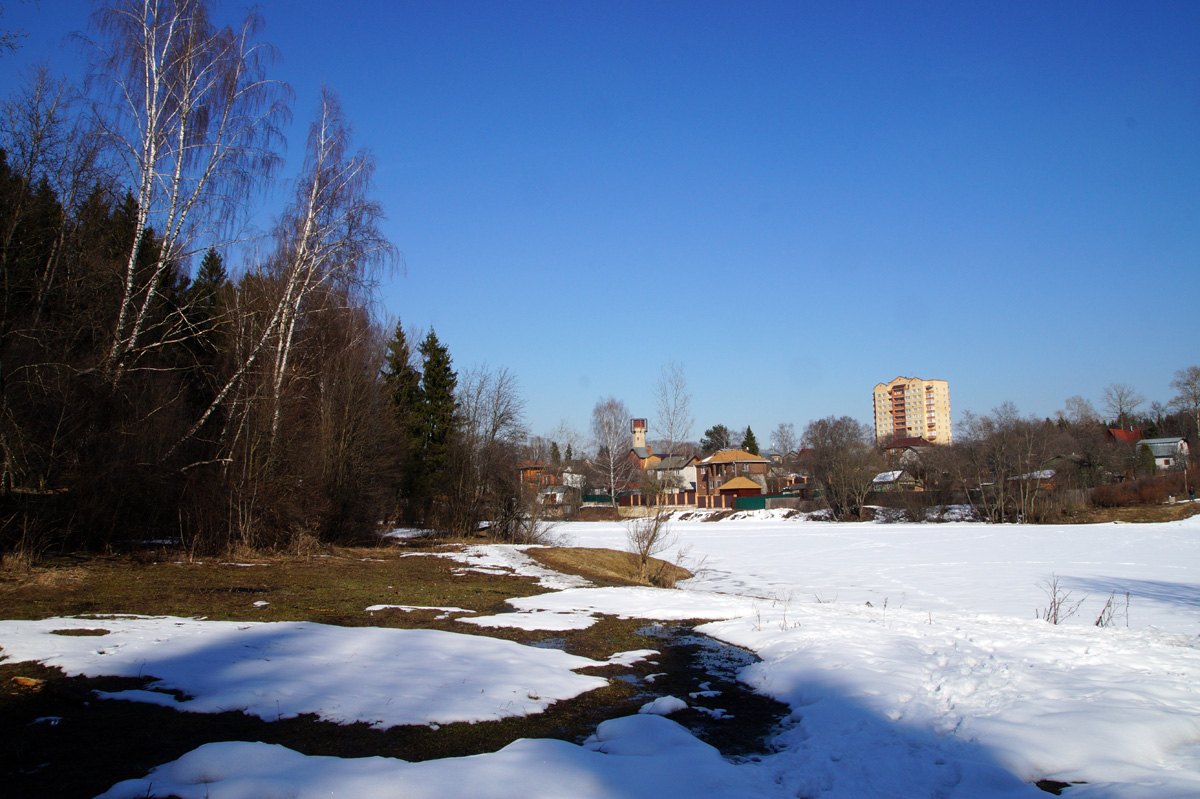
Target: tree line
[(1006, 466), (148, 389), (1000, 462)]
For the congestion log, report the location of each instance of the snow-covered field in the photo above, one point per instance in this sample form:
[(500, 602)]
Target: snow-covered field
[(944, 685)]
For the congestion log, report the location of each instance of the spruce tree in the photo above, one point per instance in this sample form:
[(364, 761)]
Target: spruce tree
[(208, 287), (749, 442), (402, 382), (438, 422), (555, 456)]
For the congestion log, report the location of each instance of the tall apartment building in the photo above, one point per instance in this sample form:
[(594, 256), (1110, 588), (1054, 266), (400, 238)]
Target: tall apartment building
[(909, 407)]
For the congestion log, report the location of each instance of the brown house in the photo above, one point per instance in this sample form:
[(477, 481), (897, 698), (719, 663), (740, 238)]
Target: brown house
[(722, 467), (537, 474)]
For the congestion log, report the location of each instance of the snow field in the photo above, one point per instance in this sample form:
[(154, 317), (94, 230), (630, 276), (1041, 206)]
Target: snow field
[(944, 686)]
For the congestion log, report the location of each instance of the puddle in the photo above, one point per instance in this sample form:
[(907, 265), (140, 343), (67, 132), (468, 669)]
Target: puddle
[(703, 673), (550, 643)]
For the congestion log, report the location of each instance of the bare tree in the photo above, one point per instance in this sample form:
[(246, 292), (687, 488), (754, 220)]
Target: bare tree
[(648, 537), (193, 121), (611, 435), (491, 431), (538, 448), (10, 39), (842, 461), (1121, 400), (571, 443), (673, 402), (52, 163), (1079, 412), (783, 439), (1003, 459), (46, 141), (1187, 384)]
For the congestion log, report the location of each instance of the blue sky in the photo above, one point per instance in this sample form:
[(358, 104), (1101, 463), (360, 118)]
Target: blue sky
[(794, 200)]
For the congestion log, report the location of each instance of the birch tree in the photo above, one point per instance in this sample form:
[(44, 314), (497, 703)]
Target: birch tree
[(327, 244), (192, 120), (610, 433), (673, 403)]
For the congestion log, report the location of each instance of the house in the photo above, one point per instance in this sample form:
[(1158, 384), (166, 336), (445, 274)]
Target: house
[(641, 454), (741, 487), (898, 480), (677, 471), (1167, 452), (1041, 480), (1130, 436), (560, 500), (537, 474), (905, 452), (727, 464)]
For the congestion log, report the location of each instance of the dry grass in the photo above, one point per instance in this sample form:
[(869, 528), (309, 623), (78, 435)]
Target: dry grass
[(97, 744), (603, 566), (1144, 514)]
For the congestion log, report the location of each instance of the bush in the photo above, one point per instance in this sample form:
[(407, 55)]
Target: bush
[(1145, 490)]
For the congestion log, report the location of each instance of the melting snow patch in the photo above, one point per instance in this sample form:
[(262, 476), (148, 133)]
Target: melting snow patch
[(445, 611), (631, 657), (536, 620), (384, 677), (511, 559), (664, 706)]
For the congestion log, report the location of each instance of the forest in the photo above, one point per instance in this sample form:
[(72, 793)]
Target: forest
[(148, 388)]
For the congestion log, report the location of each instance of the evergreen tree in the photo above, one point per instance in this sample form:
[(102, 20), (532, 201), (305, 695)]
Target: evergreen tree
[(438, 420), (749, 442), (207, 289), (570, 454), (555, 456), (205, 307), (716, 438), (402, 382)]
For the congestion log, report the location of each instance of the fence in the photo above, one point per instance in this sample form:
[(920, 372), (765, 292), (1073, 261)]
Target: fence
[(689, 499), (766, 502)]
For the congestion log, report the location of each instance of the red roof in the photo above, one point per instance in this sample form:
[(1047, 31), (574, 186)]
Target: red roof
[(1128, 436)]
